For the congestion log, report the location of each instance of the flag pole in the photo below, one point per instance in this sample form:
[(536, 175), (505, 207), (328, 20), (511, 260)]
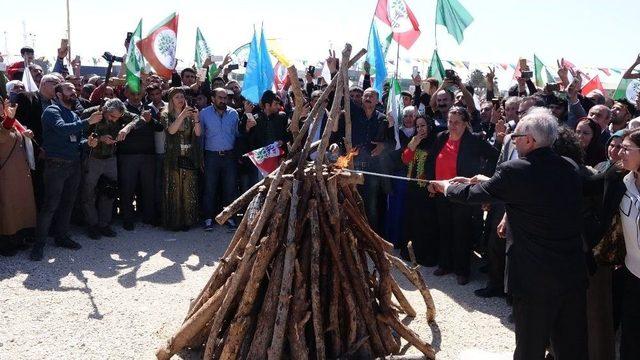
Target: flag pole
[(435, 27), (68, 33)]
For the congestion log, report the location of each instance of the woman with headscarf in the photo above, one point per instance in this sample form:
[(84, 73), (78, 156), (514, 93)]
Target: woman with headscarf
[(17, 204), (182, 161), (419, 220)]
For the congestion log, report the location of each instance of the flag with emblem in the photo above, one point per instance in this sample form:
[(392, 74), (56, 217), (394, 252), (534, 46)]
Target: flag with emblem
[(134, 62), (399, 17), (267, 158), (159, 47)]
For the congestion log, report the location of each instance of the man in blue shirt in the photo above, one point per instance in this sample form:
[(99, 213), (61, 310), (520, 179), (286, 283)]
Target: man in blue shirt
[(220, 130), (62, 142)]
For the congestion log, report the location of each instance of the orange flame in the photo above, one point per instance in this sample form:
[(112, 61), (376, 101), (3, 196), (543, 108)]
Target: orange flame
[(344, 161)]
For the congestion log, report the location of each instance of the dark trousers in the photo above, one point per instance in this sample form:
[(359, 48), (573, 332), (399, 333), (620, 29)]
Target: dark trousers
[(560, 320), (630, 340), (61, 180), (95, 168), (495, 248), (218, 170), (372, 190), (157, 194), (133, 170), (455, 226)]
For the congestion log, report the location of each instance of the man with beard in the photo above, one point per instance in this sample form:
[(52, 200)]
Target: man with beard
[(220, 130), (62, 143), (620, 115)]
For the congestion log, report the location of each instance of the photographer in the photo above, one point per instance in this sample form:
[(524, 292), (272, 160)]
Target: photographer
[(137, 162), (62, 141), (101, 167)]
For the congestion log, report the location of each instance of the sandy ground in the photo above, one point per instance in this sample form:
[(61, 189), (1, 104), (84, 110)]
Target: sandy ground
[(120, 298)]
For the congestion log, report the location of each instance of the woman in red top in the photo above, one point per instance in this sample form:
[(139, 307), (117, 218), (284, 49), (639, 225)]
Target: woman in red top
[(458, 152), (419, 220)]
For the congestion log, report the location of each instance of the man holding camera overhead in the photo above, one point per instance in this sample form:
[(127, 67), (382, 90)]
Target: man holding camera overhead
[(101, 167)]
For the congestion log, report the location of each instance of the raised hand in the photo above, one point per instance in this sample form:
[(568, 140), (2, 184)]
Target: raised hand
[(491, 75), (417, 80), (10, 111), (332, 62)]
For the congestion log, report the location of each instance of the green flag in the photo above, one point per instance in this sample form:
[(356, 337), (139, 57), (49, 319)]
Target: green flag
[(539, 67), (627, 89), (394, 106), (202, 53), (134, 61), (452, 15), (436, 70)]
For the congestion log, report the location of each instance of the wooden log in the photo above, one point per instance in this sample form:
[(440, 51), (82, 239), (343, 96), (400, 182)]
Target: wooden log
[(192, 326), (390, 343), (405, 305), (362, 305), (347, 113), (297, 143), (284, 299), (316, 310), (248, 257), (412, 254), (298, 99), (408, 335), (226, 265), (358, 220), (264, 256), (335, 317), (267, 314), (299, 317), (348, 178), (335, 107), (416, 279)]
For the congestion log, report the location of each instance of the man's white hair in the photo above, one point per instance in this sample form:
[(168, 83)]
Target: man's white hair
[(540, 124), (49, 77), (408, 110), (634, 123)]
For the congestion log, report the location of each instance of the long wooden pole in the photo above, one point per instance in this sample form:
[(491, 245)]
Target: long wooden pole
[(68, 33)]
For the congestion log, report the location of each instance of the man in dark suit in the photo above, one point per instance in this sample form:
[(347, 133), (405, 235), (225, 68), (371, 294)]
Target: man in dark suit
[(547, 273)]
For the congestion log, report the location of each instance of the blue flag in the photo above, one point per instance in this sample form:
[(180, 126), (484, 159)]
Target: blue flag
[(375, 57), (251, 85), (266, 68)]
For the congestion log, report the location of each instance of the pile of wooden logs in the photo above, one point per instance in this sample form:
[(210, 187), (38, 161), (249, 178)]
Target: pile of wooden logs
[(304, 275)]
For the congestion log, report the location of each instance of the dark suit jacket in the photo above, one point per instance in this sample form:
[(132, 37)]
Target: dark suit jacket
[(29, 112), (542, 193), (475, 156)]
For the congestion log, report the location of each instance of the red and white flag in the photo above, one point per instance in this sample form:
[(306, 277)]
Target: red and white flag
[(593, 84), (159, 47), (400, 18), (281, 78), (267, 158)]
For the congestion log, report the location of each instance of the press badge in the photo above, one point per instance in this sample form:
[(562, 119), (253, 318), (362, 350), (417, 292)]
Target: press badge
[(73, 138)]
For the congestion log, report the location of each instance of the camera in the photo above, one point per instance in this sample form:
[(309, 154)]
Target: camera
[(527, 74), (451, 75), (233, 67), (112, 58)]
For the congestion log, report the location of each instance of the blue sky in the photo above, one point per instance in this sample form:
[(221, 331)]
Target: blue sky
[(587, 32)]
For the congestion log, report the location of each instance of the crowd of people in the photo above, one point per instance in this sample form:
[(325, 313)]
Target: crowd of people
[(541, 182)]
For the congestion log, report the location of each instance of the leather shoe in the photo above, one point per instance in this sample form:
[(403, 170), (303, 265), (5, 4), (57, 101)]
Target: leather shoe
[(67, 243), (94, 233), (128, 225), (489, 292), (462, 280), (37, 252), (107, 231), (441, 272)]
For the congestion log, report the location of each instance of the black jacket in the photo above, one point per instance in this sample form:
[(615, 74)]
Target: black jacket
[(475, 156), (542, 193)]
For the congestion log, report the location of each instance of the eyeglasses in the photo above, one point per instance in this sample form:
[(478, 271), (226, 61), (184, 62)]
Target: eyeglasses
[(515, 136)]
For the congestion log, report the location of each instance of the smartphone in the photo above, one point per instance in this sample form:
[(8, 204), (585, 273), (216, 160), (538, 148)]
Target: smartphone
[(496, 103), (311, 70), (117, 81), (526, 74), (415, 71), (201, 74), (233, 67), (64, 43)]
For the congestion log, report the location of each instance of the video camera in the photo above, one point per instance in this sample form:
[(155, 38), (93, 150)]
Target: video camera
[(112, 58)]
